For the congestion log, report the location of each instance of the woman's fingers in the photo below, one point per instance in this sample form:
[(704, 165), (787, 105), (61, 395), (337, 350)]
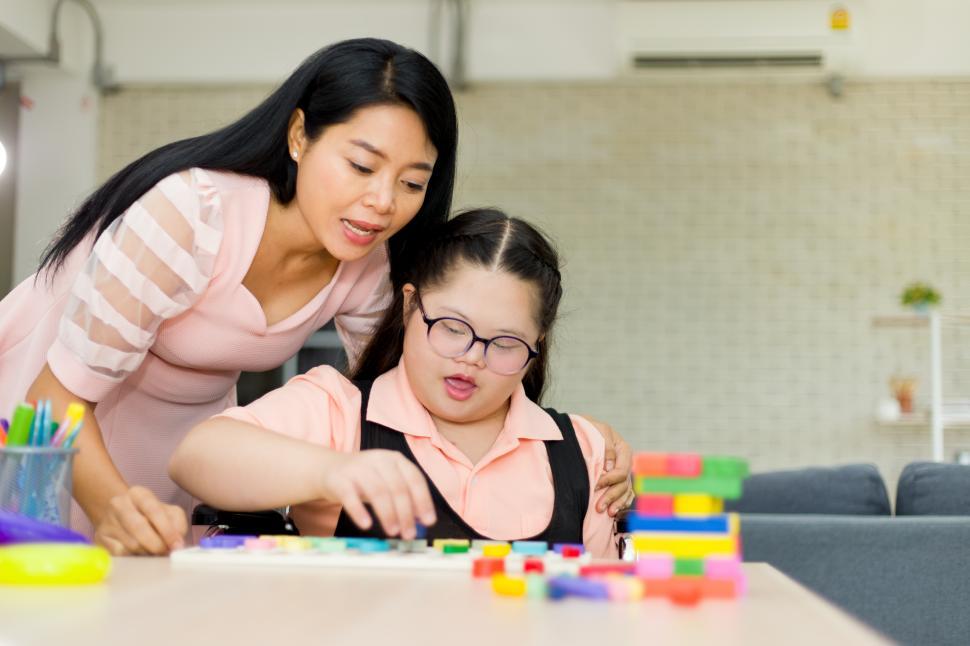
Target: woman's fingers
[(624, 457), (162, 520), (114, 546), (134, 523), (615, 498)]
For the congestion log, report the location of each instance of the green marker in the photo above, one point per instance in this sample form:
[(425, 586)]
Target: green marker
[(23, 418)]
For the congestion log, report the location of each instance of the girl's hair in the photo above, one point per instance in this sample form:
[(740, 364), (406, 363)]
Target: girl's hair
[(484, 238), (328, 87)]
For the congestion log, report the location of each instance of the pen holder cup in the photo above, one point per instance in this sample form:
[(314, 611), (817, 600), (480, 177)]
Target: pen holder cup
[(36, 481)]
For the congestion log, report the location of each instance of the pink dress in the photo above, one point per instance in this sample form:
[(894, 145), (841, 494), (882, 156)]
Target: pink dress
[(155, 325)]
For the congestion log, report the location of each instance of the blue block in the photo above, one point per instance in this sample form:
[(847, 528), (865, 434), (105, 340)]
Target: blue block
[(644, 523), (571, 586), (368, 544), (531, 548), (557, 548), (223, 542)]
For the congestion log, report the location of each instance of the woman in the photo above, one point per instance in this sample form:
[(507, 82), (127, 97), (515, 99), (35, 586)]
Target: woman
[(223, 253)]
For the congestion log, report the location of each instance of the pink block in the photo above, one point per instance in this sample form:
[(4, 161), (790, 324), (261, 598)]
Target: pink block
[(655, 504), (655, 566), (259, 544), (684, 464), (722, 567)]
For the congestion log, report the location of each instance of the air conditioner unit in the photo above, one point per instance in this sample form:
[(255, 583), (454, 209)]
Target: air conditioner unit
[(734, 34)]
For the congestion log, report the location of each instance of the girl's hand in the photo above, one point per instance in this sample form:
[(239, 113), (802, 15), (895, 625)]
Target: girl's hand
[(616, 478), (138, 523), (390, 483)]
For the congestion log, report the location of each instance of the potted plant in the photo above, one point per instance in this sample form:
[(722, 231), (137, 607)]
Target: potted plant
[(920, 296)]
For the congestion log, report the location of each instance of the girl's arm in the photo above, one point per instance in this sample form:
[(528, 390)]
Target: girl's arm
[(240, 466)]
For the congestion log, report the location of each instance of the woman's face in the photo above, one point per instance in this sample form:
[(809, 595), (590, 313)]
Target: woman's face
[(362, 181), (493, 303)]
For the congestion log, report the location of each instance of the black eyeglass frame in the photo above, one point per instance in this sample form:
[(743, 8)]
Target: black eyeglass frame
[(475, 338)]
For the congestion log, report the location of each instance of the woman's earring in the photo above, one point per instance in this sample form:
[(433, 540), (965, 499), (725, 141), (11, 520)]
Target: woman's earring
[(293, 154)]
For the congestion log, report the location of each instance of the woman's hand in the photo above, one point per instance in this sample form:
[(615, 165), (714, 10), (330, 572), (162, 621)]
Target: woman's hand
[(616, 478), (137, 523), (390, 483)]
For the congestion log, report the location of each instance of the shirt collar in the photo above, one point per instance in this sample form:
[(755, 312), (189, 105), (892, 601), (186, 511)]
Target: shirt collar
[(394, 405)]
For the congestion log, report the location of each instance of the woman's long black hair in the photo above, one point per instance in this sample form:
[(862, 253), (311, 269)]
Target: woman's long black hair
[(484, 238), (329, 87)]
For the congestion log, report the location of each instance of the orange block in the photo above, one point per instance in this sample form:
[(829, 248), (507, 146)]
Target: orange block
[(650, 464), (719, 589)]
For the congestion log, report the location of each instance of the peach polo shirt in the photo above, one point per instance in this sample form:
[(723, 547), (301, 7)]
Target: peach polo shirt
[(507, 495)]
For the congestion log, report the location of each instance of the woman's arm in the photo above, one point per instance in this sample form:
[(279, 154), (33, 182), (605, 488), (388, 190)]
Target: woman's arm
[(127, 520), (616, 480), (240, 466)]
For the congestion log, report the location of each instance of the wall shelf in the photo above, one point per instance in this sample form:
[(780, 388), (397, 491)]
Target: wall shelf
[(934, 321)]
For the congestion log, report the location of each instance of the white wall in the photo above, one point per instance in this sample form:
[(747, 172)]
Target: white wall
[(221, 41), (56, 161), (57, 148), (24, 27)]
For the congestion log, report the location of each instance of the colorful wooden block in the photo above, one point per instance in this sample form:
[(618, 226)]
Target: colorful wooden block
[(722, 567), (655, 504), (655, 566), (729, 488), (650, 464), (439, 543), (624, 588), (566, 586), (223, 542), (536, 587), (720, 588), (724, 467), (533, 566), (259, 544), (710, 525), (497, 550), (697, 504), (509, 586), (454, 549), (622, 568), (688, 567), (685, 545), (487, 567), (685, 591), (568, 550), (328, 544), (683, 465), (536, 548)]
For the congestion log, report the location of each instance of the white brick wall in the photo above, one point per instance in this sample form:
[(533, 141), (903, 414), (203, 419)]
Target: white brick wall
[(727, 244)]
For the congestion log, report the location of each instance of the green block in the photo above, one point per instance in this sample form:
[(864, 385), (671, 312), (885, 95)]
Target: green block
[(724, 467), (535, 586), (327, 544), (454, 549), (688, 567), (727, 488)]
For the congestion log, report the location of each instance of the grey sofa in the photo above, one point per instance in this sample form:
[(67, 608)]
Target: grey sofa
[(907, 576)]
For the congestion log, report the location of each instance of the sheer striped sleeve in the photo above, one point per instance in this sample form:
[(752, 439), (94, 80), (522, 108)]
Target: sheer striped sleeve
[(150, 265)]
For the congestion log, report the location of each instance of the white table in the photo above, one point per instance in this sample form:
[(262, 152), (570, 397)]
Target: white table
[(146, 601)]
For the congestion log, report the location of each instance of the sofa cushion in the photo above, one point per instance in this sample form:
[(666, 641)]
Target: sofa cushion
[(855, 489), (906, 577), (934, 489)]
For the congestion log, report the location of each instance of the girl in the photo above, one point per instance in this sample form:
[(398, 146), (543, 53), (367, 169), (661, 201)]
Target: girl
[(441, 421)]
